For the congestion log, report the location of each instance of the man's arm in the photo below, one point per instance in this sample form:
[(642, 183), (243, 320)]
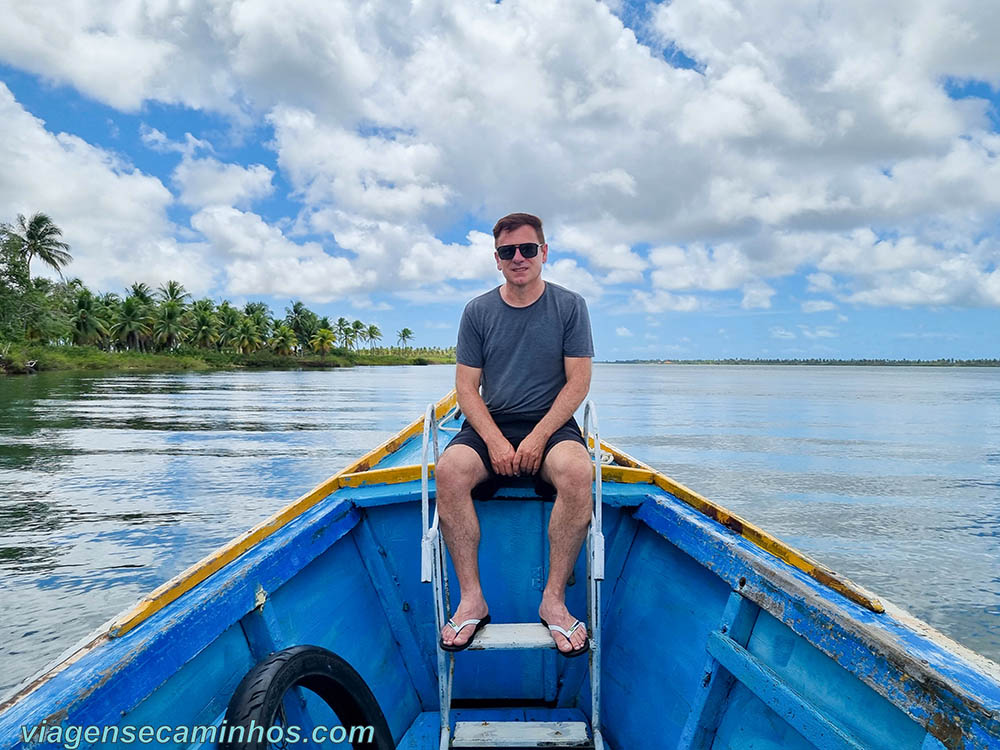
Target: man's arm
[(474, 408), (528, 458)]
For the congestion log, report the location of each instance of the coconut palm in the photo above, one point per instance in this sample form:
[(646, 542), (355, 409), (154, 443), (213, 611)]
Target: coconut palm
[(260, 314), (132, 323), (204, 326), (141, 292), (248, 338), (284, 341), (303, 321), (403, 335), (323, 341), (360, 331), (374, 335), (86, 323), (169, 325), (343, 328), (229, 325), (173, 291), (202, 305), (38, 237)]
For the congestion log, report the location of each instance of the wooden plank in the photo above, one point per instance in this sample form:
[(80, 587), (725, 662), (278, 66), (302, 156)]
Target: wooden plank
[(773, 692), (521, 734), (699, 730), (418, 662), (512, 635), (928, 681)]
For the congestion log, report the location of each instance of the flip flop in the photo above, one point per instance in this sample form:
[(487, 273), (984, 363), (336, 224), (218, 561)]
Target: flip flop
[(480, 624), (567, 633)]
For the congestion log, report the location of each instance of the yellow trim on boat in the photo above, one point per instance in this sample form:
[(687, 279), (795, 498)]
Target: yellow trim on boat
[(634, 471), (360, 472), (645, 475), (178, 585), (639, 474)]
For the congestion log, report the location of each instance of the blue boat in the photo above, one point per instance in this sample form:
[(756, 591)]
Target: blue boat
[(706, 632)]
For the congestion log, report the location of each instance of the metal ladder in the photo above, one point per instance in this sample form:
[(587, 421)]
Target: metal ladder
[(433, 569)]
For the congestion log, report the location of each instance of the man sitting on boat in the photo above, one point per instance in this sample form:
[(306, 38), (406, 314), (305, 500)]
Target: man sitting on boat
[(528, 343)]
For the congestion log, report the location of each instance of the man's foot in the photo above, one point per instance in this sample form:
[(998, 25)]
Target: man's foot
[(555, 614), (471, 611)]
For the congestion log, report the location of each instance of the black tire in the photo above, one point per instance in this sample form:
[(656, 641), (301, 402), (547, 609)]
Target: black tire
[(259, 695)]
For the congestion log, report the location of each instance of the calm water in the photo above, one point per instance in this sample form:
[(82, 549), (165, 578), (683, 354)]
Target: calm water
[(111, 484)]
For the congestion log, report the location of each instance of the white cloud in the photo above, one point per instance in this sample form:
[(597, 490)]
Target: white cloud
[(756, 295), (259, 259), (567, 273), (616, 179), (209, 182), (777, 332), (817, 305), (800, 133), (819, 332), (821, 282), (661, 301), (624, 332), (113, 216)]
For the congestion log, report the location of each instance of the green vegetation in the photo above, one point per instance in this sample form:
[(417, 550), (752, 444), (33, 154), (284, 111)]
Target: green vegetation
[(47, 325)]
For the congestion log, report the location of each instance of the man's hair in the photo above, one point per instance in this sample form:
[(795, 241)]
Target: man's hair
[(510, 222)]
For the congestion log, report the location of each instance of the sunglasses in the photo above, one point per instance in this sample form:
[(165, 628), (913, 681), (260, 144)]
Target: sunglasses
[(528, 250)]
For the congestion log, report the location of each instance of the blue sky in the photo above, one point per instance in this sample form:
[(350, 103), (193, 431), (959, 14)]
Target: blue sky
[(796, 181)]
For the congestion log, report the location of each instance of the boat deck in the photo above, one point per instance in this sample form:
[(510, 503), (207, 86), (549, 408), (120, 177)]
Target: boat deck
[(423, 734)]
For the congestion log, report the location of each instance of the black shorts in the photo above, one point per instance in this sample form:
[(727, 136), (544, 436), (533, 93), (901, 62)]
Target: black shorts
[(515, 429)]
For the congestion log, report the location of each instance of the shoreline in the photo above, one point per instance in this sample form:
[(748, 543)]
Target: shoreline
[(27, 360)]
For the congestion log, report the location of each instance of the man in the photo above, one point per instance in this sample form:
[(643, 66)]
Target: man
[(528, 343)]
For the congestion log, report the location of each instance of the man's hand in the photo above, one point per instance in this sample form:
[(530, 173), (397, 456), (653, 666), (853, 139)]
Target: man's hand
[(502, 456), (528, 459)]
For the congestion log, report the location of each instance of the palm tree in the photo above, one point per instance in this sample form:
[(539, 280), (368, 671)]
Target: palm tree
[(205, 326), (85, 320), (132, 323), (38, 237), (141, 292), (248, 338), (202, 305), (260, 313), (374, 334), (303, 321), (403, 336), (229, 325), (169, 327), (323, 341), (284, 340), (360, 331), (343, 328), (173, 291)]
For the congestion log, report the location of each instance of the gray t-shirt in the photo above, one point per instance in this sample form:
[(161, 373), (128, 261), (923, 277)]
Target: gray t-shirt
[(521, 349)]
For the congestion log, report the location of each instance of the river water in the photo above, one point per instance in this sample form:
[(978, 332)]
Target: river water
[(110, 483)]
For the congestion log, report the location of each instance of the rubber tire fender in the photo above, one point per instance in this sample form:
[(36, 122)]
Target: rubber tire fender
[(259, 695)]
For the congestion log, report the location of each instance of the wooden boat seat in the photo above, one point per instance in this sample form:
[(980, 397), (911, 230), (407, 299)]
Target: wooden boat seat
[(488, 489)]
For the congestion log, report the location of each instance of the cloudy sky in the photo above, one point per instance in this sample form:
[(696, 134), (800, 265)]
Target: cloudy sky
[(782, 178)]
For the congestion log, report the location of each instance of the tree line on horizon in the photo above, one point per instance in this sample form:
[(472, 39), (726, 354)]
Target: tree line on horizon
[(66, 313)]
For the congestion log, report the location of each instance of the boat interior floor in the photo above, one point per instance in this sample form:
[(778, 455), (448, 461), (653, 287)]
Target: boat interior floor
[(424, 731)]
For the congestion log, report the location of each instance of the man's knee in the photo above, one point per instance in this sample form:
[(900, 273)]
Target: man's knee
[(570, 470), (457, 471)]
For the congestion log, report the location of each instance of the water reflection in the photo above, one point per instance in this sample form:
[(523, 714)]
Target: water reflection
[(110, 485)]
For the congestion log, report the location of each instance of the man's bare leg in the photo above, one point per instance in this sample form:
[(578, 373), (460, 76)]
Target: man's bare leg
[(568, 468), (459, 470)]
